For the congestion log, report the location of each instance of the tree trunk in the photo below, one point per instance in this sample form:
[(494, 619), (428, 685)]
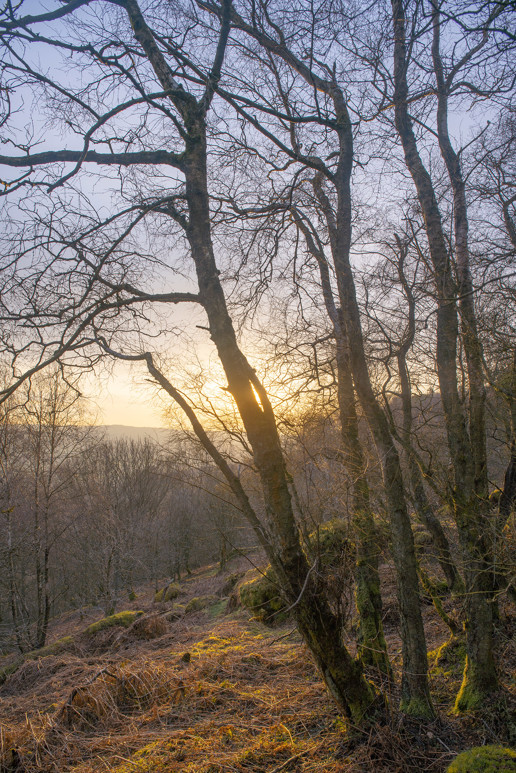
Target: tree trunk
[(465, 453), (372, 646), (423, 508), (415, 691), (317, 623)]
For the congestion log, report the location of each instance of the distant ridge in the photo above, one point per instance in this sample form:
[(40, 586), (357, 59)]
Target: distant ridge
[(127, 432)]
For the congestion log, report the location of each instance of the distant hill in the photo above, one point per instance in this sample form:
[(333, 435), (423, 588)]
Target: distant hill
[(123, 432)]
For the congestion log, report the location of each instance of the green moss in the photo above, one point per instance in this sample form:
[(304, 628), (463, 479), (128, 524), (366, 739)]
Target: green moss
[(200, 602), (468, 698), (262, 597), (6, 671), (439, 587), (449, 658), (168, 593), (123, 619), (51, 649), (417, 707), (372, 647), (218, 609), (484, 759), (474, 690), (330, 540)]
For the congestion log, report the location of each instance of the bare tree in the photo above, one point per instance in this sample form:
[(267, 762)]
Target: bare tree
[(40, 464), (87, 276), (454, 292), (179, 93), (331, 184)]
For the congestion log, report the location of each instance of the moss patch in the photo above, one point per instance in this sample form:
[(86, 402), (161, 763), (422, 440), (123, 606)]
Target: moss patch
[(218, 609), (446, 669), (478, 686), (122, 619), (200, 602), (418, 708), (168, 593), (449, 657), (61, 645), (262, 597), (484, 759), (330, 541)]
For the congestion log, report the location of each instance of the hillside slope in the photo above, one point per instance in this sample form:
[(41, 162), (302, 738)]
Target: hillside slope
[(208, 691)]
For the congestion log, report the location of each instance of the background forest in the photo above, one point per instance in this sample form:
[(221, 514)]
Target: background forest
[(88, 515), (298, 221)]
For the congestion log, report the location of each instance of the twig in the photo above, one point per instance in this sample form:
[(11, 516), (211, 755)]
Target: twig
[(283, 636), (291, 759), (296, 602)]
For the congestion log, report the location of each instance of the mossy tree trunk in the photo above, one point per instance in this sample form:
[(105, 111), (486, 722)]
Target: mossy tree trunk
[(320, 628), (422, 505), (372, 646), (416, 694), (466, 444), (415, 690)]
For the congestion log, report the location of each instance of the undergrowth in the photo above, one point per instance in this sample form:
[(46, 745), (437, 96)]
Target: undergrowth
[(221, 694)]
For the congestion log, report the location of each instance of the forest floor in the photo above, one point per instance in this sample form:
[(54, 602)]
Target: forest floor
[(214, 691)]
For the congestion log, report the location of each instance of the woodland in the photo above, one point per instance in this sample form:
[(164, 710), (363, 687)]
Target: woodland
[(296, 222)]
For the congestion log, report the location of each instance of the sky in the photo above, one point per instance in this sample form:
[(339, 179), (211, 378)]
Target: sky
[(123, 398)]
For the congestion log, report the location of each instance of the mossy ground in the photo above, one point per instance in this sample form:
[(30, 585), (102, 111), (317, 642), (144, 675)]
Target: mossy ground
[(121, 619), (168, 593), (485, 759), (56, 648), (198, 603), (51, 649)]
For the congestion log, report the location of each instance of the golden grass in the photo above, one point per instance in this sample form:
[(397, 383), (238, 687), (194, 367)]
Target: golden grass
[(244, 701), (226, 695)]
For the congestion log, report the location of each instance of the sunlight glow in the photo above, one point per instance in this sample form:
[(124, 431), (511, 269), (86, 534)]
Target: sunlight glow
[(124, 398)]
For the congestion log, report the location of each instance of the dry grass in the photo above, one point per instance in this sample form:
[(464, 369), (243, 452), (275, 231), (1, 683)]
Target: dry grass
[(201, 695)]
